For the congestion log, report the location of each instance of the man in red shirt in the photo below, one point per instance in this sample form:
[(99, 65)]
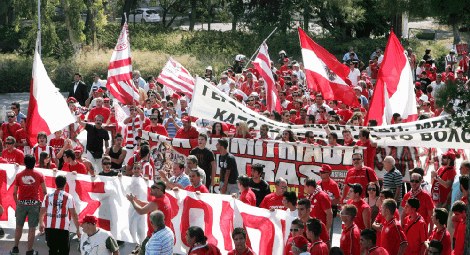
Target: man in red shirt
[(296, 229), (99, 110), (350, 235), (247, 196), (396, 242), (21, 136), (26, 190), (303, 210), (415, 228), (426, 205), (160, 202), (371, 147), (368, 243), (321, 204), (273, 200), (239, 240), (363, 219), (359, 174), (440, 232), (442, 180), (300, 245), (330, 187), (314, 229), (196, 185), (72, 165), (187, 131), (459, 217), (12, 154), (10, 127)]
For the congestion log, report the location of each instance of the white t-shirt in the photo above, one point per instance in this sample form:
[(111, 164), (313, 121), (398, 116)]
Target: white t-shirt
[(354, 76)]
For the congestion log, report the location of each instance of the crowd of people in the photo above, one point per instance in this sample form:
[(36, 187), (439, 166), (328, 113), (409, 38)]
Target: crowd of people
[(431, 220)]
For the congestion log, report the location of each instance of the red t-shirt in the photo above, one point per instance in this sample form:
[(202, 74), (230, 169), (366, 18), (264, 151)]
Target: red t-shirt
[(9, 130), (248, 197), (299, 121), (362, 176), (459, 236), (439, 193), (330, 187), (288, 247), (29, 182), (103, 111), (345, 114), (350, 238), (381, 219), (393, 233), (57, 144), (442, 236), (163, 203), (158, 129), (208, 249), (319, 248), (14, 156), (21, 136), (377, 251), (415, 232), (324, 234), (191, 134), (425, 204), (248, 251), (79, 167), (361, 206), (320, 202), (2, 160), (272, 201), (369, 153), (201, 188), (52, 166)]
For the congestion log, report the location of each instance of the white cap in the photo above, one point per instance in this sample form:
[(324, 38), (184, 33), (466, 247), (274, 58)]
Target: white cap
[(358, 88), (209, 68), (424, 98), (282, 52), (254, 94)]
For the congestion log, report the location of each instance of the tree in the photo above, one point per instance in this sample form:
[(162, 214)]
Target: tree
[(95, 20), (236, 8), (73, 22), (192, 14), (177, 7)]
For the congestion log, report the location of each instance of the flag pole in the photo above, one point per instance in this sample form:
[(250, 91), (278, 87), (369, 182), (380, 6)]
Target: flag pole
[(38, 42), (252, 56)]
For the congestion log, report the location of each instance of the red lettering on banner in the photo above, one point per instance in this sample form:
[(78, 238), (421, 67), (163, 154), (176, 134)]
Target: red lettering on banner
[(266, 227), (83, 188), (226, 224), (7, 196), (191, 203)]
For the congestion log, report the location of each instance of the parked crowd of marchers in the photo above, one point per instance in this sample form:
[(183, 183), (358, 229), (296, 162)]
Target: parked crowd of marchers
[(433, 215)]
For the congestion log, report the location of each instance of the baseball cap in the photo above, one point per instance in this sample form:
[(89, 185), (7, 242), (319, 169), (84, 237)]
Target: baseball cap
[(325, 168), (89, 219), (356, 187), (300, 241), (78, 149), (186, 119)]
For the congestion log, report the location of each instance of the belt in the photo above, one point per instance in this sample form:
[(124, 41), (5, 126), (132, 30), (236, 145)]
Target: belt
[(130, 147), (29, 202)]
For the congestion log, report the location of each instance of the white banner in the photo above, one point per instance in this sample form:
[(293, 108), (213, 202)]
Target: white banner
[(105, 198), (214, 105)]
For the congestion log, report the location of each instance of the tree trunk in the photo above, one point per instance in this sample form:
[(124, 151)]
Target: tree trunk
[(125, 10), (306, 15), (234, 22), (456, 33), (72, 34), (192, 17)]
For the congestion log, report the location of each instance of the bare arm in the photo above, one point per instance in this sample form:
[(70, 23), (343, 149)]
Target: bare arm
[(366, 217), (402, 249), (42, 212), (329, 218), (15, 194), (214, 170), (74, 215)]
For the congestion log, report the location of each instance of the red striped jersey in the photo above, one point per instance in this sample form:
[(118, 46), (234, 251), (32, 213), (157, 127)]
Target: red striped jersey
[(134, 127), (57, 206)]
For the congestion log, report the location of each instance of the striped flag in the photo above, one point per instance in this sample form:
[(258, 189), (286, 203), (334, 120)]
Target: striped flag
[(177, 78), (262, 64), (120, 82)]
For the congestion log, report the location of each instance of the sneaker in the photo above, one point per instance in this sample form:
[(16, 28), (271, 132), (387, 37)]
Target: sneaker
[(32, 252), (136, 250), (15, 251), (2, 232)]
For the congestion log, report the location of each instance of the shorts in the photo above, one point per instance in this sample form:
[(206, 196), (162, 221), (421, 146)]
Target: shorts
[(31, 211)]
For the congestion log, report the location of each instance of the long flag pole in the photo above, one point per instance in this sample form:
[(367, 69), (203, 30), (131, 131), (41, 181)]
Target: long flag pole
[(256, 52), (39, 28)]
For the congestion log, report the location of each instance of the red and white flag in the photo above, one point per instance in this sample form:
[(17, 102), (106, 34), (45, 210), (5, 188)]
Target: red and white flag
[(120, 82), (262, 64), (177, 78), (394, 91), (324, 73), (47, 110)]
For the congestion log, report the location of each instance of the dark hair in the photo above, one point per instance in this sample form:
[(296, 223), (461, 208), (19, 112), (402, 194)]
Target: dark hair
[(418, 170), (298, 223), (239, 231), (118, 135), (29, 161), (195, 171), (441, 215), (388, 193), (223, 142), (350, 210), (144, 151), (291, 197), (222, 133), (244, 181), (369, 234), (334, 135), (314, 226), (161, 184), (16, 104), (42, 156), (373, 123), (203, 136), (413, 202), (69, 154), (464, 181), (377, 189), (60, 181), (459, 206), (365, 133), (336, 251), (197, 233), (310, 182), (305, 202), (257, 167), (390, 204)]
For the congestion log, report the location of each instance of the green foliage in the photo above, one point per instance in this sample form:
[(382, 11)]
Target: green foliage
[(454, 97)]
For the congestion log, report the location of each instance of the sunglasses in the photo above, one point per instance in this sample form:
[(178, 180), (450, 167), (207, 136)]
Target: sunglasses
[(153, 119), (371, 189), (13, 108), (294, 230), (357, 159), (106, 163), (11, 116), (9, 143), (415, 181), (155, 187)]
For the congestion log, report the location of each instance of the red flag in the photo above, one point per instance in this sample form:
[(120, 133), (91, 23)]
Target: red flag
[(324, 73), (394, 91), (177, 78), (262, 64), (47, 110), (120, 82)]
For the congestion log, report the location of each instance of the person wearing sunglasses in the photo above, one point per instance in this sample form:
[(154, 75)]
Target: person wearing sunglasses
[(296, 229), (9, 127), (350, 236), (106, 165), (12, 154), (359, 174), (426, 204)]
